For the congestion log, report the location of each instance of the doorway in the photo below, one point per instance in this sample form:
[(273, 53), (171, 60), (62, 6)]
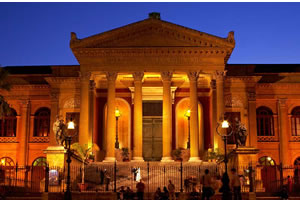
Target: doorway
[(152, 130)]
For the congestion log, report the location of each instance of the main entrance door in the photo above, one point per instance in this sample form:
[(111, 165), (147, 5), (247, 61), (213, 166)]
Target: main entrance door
[(152, 130), (152, 138)]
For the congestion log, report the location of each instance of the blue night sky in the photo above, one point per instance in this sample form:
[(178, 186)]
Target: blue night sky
[(39, 33)]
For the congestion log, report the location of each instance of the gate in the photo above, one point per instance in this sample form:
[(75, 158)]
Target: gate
[(269, 178)]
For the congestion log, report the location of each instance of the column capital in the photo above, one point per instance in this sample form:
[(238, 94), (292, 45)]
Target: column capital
[(282, 102), (166, 75), (193, 75), (25, 103), (138, 76), (92, 85), (213, 84), (85, 76), (251, 96), (220, 74), (111, 76)]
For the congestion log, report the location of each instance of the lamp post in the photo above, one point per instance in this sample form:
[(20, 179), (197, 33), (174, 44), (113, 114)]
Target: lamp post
[(68, 139), (225, 179), (187, 114), (117, 114)]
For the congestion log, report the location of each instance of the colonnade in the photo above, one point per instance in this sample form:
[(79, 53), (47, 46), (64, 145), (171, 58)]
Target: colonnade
[(197, 146)]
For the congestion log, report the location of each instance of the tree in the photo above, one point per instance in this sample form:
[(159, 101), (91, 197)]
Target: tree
[(4, 85), (84, 151)]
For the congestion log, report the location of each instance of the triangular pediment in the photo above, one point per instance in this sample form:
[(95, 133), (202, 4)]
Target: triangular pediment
[(152, 33)]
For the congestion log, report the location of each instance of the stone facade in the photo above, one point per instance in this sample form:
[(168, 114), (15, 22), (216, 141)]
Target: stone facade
[(154, 62)]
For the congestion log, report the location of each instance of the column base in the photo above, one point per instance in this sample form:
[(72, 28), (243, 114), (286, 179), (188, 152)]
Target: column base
[(137, 159), (109, 159), (167, 159), (195, 159)]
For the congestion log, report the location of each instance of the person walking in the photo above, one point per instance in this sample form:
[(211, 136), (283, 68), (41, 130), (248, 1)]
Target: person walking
[(171, 188), (207, 190), (140, 186), (236, 185)]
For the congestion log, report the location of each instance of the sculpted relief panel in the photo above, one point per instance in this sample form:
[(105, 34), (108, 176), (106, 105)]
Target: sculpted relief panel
[(72, 103)]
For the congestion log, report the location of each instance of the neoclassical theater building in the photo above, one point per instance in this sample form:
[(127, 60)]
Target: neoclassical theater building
[(153, 71)]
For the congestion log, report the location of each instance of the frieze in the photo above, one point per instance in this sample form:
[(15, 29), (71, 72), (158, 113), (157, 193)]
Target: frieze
[(29, 87), (233, 101), (72, 103), (8, 140), (85, 76), (39, 140)]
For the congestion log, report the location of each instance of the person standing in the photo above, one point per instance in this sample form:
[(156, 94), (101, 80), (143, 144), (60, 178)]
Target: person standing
[(140, 187), (207, 190), (107, 179), (171, 188), (236, 185)]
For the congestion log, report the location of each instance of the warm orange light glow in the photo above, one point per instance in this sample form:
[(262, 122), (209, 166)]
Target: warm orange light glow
[(71, 125), (3, 161), (225, 124), (117, 112), (187, 113), (269, 158)]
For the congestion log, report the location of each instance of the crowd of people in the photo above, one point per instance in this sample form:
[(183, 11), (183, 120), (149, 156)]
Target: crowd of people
[(209, 187)]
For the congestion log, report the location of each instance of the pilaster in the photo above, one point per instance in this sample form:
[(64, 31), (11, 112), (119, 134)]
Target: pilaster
[(283, 136), (23, 137), (252, 119)]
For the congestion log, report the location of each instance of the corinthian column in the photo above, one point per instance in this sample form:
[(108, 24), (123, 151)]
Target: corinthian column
[(283, 134), (220, 105), (167, 115), (194, 131), (84, 108), (111, 119), (138, 117)]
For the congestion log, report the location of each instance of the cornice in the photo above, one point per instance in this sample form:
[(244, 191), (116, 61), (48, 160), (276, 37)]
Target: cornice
[(278, 85), (153, 51)]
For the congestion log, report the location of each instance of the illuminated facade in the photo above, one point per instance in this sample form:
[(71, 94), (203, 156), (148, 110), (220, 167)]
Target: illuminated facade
[(152, 71)]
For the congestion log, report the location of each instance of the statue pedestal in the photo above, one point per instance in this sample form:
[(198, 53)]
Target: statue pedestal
[(243, 156), (55, 156)]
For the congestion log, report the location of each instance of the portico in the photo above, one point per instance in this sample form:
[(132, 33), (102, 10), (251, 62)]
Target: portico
[(150, 61)]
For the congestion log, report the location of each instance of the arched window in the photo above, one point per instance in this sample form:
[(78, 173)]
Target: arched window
[(266, 161), (40, 161), (42, 122), (265, 121), (8, 124), (6, 161), (296, 121)]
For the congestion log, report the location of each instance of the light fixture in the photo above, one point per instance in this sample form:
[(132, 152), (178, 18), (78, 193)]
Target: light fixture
[(188, 115), (117, 112), (225, 124), (71, 124)]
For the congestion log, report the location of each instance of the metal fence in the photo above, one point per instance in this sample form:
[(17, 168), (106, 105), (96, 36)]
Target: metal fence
[(111, 176)]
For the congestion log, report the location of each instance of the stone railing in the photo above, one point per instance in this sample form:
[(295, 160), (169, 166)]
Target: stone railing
[(8, 140), (295, 139), (267, 139), (39, 140)]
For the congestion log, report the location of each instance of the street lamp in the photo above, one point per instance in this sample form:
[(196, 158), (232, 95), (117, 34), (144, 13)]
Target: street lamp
[(117, 114), (187, 114), (68, 139), (225, 179)]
